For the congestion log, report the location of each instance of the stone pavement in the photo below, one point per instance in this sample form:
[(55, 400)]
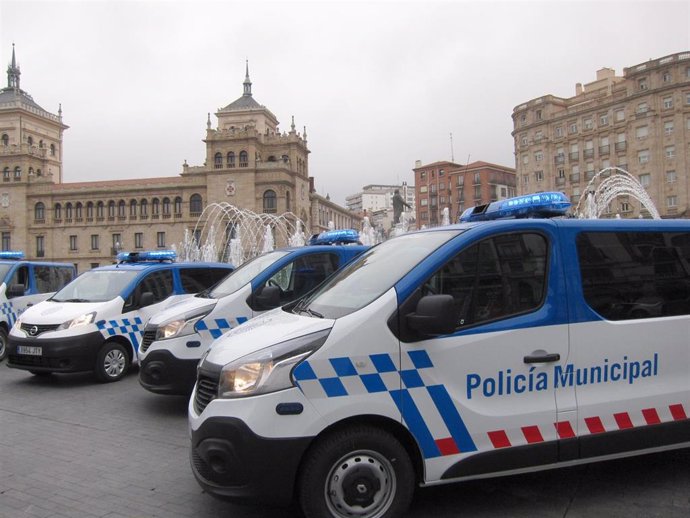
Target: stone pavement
[(71, 447)]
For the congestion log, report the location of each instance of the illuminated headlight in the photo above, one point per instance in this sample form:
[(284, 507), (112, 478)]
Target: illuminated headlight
[(180, 326), (267, 370), (81, 320)]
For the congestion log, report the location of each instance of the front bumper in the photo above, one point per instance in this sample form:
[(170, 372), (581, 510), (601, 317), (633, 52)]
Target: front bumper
[(231, 462), (163, 373), (68, 354)]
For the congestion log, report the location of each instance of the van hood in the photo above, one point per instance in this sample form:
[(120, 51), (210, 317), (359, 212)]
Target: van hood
[(51, 313), (269, 329), (180, 309)]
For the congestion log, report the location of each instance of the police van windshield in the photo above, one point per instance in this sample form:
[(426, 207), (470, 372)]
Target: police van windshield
[(374, 273), (95, 286), (4, 268), (245, 274)]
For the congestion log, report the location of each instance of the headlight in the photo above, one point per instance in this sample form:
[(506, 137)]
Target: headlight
[(17, 324), (180, 326), (267, 370), (81, 320)]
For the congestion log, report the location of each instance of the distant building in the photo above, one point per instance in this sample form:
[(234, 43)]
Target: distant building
[(376, 202), (639, 122), (445, 184), (250, 164)]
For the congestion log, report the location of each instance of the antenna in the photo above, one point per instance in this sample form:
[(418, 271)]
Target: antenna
[(452, 154)]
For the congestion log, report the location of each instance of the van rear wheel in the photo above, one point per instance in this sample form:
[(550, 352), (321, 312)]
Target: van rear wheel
[(112, 362), (360, 471)]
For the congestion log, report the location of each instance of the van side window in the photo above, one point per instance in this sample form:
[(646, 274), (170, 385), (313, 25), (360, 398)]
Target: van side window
[(302, 275), (496, 278), (20, 277), (631, 275), (159, 283), (51, 278), (195, 280)]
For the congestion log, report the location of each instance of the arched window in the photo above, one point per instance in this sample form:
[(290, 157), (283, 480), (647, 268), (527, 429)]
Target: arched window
[(31, 171), (195, 204), (166, 206), (17, 172), (178, 205), (100, 209), (89, 210), (287, 201), (132, 207), (218, 161), (68, 211), (144, 208), (58, 212), (30, 141), (155, 207), (6, 174), (111, 209), (121, 209), (5, 139), (270, 202), (231, 159), (244, 159), (38, 172), (40, 211), (52, 150), (78, 211)]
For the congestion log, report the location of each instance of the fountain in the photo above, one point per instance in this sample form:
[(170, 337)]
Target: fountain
[(367, 235), (227, 233), (445, 217), (617, 182)]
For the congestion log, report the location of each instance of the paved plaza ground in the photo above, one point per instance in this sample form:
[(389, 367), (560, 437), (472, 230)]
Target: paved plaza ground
[(71, 447)]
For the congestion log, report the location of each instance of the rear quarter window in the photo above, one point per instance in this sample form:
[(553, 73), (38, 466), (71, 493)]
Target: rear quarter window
[(194, 280), (633, 275)]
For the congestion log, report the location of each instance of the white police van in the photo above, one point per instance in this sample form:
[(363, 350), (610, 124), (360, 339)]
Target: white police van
[(459, 352), (175, 339), (95, 323), (25, 283)]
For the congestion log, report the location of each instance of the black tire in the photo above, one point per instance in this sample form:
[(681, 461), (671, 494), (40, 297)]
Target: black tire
[(358, 471), (112, 362), (3, 343)]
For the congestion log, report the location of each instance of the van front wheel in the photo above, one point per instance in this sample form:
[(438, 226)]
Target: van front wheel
[(3, 343), (112, 362), (360, 471)]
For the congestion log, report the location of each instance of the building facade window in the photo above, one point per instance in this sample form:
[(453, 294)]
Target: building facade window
[(231, 159), (73, 243), (133, 208), (218, 161), (111, 209), (100, 211), (244, 159), (6, 241), (604, 119), (671, 201), (144, 208), (643, 156), (155, 207), (121, 209), (620, 115), (78, 211), (40, 246), (195, 204), (668, 128), (5, 140), (177, 208), (95, 245), (39, 211), (138, 240), (270, 203), (166, 206), (670, 177), (645, 180), (160, 239), (670, 151), (668, 103), (68, 212), (57, 212)]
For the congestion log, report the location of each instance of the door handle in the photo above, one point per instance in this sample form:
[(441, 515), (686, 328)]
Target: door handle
[(542, 358)]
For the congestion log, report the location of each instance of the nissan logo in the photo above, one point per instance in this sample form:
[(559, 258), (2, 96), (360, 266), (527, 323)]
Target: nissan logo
[(33, 330)]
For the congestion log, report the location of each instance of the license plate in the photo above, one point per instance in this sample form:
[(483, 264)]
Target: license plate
[(30, 350)]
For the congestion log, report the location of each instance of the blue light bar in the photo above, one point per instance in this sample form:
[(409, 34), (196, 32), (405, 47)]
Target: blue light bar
[(148, 256), (15, 255), (538, 205), (335, 237)]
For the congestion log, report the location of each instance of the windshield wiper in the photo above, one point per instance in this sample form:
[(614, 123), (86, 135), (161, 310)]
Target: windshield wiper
[(70, 300), (310, 312)]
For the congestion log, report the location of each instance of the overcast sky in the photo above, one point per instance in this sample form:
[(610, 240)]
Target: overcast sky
[(378, 85)]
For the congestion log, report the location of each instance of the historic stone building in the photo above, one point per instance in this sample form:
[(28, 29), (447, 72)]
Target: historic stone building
[(639, 122), (250, 164)]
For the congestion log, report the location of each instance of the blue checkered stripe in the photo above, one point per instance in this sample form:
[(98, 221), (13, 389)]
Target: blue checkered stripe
[(216, 326), (413, 389), (132, 328), (8, 313)]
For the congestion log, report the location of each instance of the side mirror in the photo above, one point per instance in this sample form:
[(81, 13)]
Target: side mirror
[(434, 315), (146, 299), (268, 297), (15, 290)]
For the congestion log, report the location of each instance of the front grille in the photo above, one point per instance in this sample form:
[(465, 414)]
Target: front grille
[(37, 329), (206, 391), (149, 337)]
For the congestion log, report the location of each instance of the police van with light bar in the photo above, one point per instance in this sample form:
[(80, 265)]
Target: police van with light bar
[(175, 340), (95, 323), (25, 283), (479, 349)]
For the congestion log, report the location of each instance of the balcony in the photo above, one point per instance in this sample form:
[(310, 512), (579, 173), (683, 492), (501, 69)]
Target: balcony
[(604, 150), (621, 146), (559, 159), (589, 153), (575, 178), (574, 156)]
